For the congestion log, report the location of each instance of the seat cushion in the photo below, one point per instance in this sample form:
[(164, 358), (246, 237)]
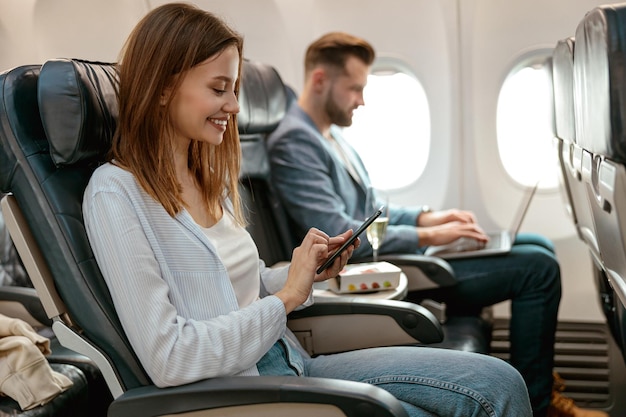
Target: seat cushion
[(468, 333), (99, 395)]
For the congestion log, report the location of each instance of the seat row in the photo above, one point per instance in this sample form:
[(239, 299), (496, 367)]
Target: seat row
[(56, 126), (589, 82)]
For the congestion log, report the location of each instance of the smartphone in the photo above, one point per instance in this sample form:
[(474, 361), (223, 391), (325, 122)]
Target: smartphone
[(348, 242)]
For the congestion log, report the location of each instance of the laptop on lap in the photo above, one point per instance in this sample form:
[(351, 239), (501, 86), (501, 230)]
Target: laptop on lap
[(500, 242)]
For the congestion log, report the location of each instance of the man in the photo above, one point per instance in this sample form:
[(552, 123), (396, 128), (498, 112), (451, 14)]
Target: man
[(323, 183)]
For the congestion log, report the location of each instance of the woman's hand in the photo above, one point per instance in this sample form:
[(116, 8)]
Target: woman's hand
[(333, 244), (306, 258)]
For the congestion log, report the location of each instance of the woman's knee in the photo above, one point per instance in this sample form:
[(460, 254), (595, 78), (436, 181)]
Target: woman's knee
[(497, 385), (507, 383)]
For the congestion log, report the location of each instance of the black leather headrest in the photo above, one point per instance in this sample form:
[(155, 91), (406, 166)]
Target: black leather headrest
[(78, 108), (563, 85), (262, 98), (19, 116), (78, 105), (599, 83)]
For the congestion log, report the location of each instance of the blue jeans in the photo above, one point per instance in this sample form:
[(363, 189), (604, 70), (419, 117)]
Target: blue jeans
[(427, 381), (530, 277)]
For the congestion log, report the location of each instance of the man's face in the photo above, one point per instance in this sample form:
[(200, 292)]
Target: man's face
[(345, 92)]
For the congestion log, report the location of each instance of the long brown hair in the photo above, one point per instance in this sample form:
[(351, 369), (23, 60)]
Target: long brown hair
[(166, 43)]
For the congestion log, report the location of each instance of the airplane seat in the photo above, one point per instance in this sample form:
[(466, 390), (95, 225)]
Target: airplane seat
[(573, 158), (21, 302), (565, 135), (56, 125), (264, 100), (600, 103), (291, 94), (18, 299), (573, 187)]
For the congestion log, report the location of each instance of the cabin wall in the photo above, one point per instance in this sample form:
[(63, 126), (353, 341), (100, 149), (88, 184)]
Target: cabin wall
[(461, 50)]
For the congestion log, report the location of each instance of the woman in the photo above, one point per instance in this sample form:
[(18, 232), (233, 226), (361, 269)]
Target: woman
[(166, 226)]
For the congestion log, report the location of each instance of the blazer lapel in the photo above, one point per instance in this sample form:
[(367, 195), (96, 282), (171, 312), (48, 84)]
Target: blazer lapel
[(354, 167)]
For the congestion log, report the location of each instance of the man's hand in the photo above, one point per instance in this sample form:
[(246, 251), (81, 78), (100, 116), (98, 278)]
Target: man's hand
[(449, 232), (436, 218)]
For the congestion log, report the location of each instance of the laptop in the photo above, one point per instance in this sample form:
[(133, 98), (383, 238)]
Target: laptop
[(500, 243)]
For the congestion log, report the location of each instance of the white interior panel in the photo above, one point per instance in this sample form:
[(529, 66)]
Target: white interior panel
[(461, 51), (495, 35)]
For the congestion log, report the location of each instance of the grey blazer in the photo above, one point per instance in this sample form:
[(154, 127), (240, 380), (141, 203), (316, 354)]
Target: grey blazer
[(317, 190)]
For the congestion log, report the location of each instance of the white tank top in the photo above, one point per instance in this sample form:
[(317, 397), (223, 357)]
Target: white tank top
[(239, 255)]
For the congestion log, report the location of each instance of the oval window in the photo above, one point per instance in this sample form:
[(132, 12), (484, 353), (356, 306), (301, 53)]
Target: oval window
[(391, 132), (525, 124)]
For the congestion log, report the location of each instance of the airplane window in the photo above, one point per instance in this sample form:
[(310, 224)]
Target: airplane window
[(524, 125), (391, 132)]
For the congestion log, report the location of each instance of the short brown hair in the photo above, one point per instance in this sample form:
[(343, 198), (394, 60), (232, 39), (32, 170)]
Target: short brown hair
[(334, 48), (167, 42)]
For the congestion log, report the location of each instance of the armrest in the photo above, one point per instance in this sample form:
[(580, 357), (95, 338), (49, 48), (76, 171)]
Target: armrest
[(260, 396), (32, 311), (423, 272), (338, 326)]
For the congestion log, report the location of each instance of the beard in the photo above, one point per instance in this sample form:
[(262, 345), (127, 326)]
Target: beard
[(337, 115)]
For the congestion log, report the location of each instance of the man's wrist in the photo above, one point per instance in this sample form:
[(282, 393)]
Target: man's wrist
[(424, 209)]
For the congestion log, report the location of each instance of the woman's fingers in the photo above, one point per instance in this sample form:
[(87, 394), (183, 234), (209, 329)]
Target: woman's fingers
[(336, 241), (317, 246)]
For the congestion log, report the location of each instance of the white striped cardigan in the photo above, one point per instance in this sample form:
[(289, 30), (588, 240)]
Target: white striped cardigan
[(170, 289)]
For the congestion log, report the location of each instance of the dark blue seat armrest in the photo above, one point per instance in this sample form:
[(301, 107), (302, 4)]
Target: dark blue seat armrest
[(29, 299), (353, 398)]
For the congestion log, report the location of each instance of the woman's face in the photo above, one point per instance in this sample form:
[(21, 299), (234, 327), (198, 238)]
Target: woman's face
[(202, 105)]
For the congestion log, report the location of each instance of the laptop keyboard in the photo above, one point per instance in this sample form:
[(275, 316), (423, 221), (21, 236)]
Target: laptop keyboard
[(465, 244), (494, 241)]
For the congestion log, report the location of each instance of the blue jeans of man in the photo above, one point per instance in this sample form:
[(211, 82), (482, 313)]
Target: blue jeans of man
[(428, 381), (530, 277)]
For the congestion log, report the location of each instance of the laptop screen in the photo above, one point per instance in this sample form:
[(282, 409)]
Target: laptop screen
[(522, 209)]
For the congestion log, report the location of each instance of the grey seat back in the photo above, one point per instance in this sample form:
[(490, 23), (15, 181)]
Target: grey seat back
[(574, 159), (565, 134), (263, 100), (600, 111)]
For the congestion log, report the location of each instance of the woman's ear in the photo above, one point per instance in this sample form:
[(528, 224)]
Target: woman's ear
[(165, 96)]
